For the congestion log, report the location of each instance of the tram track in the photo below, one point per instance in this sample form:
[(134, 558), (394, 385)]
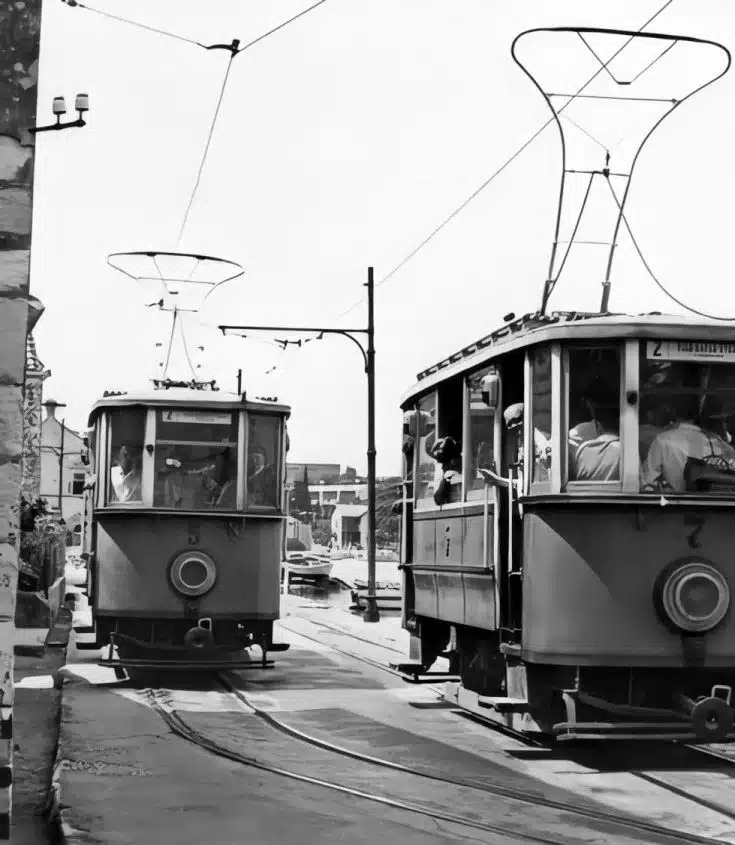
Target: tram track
[(182, 728), (496, 790), (499, 790)]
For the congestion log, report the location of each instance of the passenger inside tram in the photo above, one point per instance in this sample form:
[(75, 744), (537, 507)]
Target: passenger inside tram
[(594, 408), (125, 476), (692, 454)]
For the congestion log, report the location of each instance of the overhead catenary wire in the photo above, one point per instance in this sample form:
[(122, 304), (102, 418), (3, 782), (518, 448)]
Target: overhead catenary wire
[(502, 167), (121, 19), (655, 278), (206, 151)]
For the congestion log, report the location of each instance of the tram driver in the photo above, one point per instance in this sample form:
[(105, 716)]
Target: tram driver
[(125, 477)]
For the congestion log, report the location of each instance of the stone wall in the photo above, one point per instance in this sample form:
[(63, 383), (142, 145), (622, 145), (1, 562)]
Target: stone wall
[(35, 375), (20, 30)]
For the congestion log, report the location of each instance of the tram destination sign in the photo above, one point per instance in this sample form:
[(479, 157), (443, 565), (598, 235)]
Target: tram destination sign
[(202, 417), (690, 350)]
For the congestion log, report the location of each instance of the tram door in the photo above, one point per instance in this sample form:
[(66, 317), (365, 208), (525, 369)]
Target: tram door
[(508, 522)]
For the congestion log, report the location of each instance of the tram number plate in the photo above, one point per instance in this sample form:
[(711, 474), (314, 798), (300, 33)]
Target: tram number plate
[(203, 417), (690, 350)]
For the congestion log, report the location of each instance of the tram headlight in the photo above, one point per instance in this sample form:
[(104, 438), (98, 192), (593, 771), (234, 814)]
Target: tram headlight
[(193, 573), (694, 596)]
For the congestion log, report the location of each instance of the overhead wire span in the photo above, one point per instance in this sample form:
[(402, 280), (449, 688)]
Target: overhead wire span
[(133, 23), (655, 278), (503, 166), (280, 26), (206, 151)]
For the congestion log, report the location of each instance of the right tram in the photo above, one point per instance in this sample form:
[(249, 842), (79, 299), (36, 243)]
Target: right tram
[(569, 526)]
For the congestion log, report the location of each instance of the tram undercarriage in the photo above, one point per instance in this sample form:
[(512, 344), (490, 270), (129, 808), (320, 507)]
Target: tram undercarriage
[(576, 702), (182, 644)]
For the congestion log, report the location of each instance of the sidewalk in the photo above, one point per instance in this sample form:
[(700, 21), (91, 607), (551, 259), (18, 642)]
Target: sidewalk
[(35, 727)]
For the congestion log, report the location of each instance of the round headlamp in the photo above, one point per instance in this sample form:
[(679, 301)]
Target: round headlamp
[(695, 596), (193, 573)]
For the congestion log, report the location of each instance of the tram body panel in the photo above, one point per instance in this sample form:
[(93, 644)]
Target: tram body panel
[(589, 578), (135, 552), (449, 579)]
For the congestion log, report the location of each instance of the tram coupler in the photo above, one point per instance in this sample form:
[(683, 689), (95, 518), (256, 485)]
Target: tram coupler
[(200, 636), (712, 716)]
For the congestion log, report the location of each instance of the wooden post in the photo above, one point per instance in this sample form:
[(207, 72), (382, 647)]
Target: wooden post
[(18, 313)]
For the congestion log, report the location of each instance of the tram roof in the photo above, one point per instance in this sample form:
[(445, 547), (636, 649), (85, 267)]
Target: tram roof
[(532, 329), (184, 398)]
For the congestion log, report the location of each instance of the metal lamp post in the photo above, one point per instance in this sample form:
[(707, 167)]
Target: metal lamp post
[(368, 353)]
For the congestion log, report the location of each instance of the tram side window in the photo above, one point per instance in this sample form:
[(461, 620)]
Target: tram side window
[(125, 455), (687, 414), (196, 459), (594, 414), (541, 404), (447, 448), (262, 473), (481, 430), (425, 464)]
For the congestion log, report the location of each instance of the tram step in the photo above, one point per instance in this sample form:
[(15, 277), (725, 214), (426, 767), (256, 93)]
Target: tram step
[(84, 629), (511, 650), (503, 705), (89, 645), (279, 646)]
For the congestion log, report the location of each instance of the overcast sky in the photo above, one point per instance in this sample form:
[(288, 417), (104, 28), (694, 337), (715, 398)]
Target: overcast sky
[(342, 141)]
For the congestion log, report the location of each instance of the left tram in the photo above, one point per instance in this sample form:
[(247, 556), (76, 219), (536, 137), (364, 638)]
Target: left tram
[(183, 530)]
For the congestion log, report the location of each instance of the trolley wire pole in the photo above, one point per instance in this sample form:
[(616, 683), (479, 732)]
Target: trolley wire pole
[(368, 354)]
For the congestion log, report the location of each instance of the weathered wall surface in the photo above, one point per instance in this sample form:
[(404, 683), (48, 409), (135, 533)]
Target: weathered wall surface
[(20, 31), (35, 376)]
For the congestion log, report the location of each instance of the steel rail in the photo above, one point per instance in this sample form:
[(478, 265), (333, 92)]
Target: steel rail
[(494, 789), (179, 726)]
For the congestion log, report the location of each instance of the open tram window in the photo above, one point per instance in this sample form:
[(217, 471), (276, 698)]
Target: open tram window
[(126, 427), (262, 472), (196, 459), (542, 457), (594, 414), (425, 464), (687, 413), (482, 401)]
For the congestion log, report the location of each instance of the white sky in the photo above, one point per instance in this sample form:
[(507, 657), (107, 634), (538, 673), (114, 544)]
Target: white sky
[(343, 140)]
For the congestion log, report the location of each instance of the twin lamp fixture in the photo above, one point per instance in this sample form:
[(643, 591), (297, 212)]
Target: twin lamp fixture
[(81, 105)]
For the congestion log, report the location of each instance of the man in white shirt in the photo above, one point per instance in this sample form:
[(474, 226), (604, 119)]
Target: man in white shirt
[(125, 477), (597, 456), (667, 458)]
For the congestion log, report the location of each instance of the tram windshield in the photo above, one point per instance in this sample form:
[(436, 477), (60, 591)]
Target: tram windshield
[(262, 477), (125, 450), (195, 459), (687, 411)]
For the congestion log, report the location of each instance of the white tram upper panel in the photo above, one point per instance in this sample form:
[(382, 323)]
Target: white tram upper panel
[(532, 329), (581, 403), (188, 450)]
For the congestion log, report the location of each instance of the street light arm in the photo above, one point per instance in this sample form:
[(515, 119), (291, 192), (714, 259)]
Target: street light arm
[(349, 333)]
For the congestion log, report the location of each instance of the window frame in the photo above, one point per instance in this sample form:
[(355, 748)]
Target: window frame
[(146, 462), (278, 507), (467, 461), (553, 483), (573, 487), (428, 501)]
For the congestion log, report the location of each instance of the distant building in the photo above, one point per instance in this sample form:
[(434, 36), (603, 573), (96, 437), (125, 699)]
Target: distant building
[(314, 472), (62, 456), (337, 494), (349, 524)]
